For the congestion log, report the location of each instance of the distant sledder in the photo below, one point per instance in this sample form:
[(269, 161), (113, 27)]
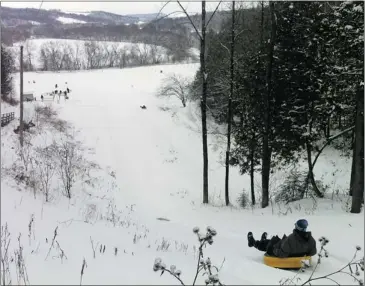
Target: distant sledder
[(298, 244)]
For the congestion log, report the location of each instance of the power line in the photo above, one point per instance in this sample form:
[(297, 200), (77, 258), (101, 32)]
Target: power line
[(40, 6)]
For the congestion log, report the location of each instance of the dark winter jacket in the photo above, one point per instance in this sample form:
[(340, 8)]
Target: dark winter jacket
[(296, 244)]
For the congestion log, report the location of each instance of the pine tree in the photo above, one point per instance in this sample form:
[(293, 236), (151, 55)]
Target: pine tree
[(7, 67)]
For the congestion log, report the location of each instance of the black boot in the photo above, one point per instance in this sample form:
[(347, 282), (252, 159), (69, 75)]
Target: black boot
[(264, 236), (251, 240)]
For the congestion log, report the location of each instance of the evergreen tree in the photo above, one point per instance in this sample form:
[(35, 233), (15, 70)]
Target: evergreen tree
[(7, 67)]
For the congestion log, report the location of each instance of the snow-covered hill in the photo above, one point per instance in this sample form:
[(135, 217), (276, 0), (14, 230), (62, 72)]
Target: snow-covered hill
[(145, 198), (17, 16)]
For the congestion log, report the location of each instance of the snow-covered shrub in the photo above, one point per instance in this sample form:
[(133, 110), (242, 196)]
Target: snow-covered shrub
[(59, 124), (320, 185), (45, 169), (175, 85), (243, 199), (90, 213), (43, 115), (69, 162), (165, 245), (293, 187), (353, 268), (204, 265), (343, 144), (5, 256)]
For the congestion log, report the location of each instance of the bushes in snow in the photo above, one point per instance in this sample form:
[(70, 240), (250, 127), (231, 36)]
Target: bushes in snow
[(243, 199), (40, 162), (8, 259), (69, 162), (204, 266), (353, 268), (293, 188), (296, 186)]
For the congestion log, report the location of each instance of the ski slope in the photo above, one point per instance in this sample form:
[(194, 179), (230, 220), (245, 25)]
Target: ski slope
[(156, 156)]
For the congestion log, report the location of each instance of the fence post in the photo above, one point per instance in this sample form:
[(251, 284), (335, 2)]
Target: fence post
[(21, 98)]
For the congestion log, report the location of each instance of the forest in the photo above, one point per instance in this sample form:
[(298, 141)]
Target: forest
[(286, 78)]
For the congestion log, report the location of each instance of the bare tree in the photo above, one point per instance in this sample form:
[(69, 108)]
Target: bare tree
[(78, 63), (44, 58), (45, 168), (133, 56), (5, 257), (111, 50), (92, 53), (51, 56), (55, 56), (143, 53), (28, 57), (203, 99), (121, 57), (69, 162), (175, 85), (68, 60), (155, 54), (25, 152)]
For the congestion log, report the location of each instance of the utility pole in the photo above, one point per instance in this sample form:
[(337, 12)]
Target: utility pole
[(21, 98)]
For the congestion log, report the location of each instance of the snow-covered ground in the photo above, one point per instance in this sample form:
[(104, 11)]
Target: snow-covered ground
[(146, 197), (66, 20)]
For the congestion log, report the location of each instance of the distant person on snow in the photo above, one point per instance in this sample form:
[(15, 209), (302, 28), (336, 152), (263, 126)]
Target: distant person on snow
[(299, 243)]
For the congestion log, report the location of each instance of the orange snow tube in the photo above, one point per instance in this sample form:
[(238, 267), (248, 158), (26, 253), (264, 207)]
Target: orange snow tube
[(287, 263)]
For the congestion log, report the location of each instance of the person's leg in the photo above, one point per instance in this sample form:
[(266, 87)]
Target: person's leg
[(262, 244), (259, 244), (264, 236), (251, 240), (270, 248)]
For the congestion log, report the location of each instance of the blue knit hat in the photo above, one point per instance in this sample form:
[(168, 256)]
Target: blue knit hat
[(301, 225)]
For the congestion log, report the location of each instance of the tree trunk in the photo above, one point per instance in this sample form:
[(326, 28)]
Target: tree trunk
[(352, 168), (262, 25), (340, 121), (252, 169), (310, 176), (343, 132), (266, 150), (203, 106), (357, 184), (328, 129), (21, 125), (229, 116)]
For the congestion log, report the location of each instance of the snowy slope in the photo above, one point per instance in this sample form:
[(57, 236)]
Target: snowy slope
[(155, 155)]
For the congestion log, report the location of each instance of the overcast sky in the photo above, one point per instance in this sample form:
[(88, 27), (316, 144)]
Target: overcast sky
[(123, 8)]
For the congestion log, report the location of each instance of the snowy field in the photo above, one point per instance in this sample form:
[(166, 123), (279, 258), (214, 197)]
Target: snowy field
[(145, 199)]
